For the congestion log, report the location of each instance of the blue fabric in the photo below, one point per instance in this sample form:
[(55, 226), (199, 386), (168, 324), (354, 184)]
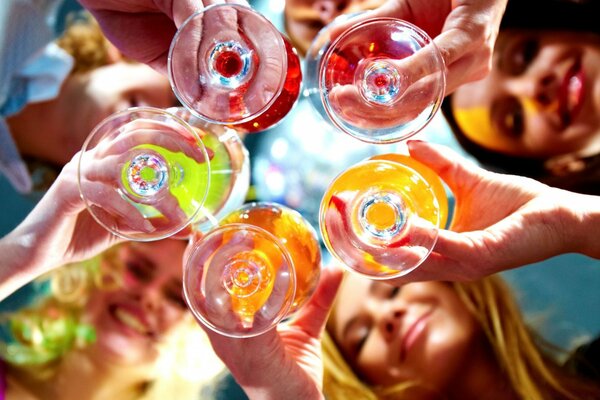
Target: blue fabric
[(25, 30)]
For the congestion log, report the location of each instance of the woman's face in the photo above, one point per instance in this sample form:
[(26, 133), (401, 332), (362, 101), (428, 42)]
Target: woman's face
[(541, 98), (115, 87), (305, 18), (389, 335), (132, 319), (86, 99)]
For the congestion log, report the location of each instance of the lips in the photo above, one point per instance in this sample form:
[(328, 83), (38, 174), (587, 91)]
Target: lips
[(131, 319), (571, 93), (412, 333)]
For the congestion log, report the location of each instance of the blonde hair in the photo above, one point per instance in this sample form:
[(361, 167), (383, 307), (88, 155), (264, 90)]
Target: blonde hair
[(533, 375), (84, 41), (37, 335)]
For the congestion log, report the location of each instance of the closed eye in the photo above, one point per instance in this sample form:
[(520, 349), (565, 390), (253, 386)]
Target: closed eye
[(394, 292), (359, 338), (140, 268)]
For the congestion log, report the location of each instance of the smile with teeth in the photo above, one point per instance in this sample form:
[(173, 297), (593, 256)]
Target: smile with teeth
[(131, 321)]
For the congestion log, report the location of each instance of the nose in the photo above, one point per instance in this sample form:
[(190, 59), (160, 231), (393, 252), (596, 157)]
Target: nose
[(542, 90), (328, 10), (149, 298), (390, 323)]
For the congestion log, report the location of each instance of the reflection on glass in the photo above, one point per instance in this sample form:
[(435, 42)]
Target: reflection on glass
[(229, 170)]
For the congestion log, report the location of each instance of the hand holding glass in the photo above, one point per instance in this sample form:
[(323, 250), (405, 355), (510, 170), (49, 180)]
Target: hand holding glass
[(258, 267), (380, 81), (229, 65), (381, 217), (144, 174)]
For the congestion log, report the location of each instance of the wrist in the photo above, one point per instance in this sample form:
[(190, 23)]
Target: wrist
[(19, 262)]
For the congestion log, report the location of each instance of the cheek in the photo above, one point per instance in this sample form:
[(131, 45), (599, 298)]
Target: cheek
[(375, 362), (171, 316), (448, 345)]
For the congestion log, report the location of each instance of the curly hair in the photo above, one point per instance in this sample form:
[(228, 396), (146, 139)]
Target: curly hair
[(84, 41)]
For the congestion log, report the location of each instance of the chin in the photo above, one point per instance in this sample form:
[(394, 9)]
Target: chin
[(123, 350)]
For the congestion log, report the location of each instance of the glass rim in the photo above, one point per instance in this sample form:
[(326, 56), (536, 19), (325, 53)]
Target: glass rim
[(280, 44), (323, 207), (255, 230), (423, 39), (153, 111)]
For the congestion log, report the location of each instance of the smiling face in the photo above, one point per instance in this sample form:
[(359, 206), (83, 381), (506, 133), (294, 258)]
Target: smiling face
[(391, 335), (131, 320), (84, 100), (541, 98)]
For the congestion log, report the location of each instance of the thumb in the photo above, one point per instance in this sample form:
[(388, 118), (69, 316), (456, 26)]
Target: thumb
[(313, 316)]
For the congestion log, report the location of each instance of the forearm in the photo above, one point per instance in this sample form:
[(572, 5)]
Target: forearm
[(35, 246), (19, 263), (274, 381)]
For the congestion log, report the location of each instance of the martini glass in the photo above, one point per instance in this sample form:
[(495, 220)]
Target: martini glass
[(259, 266), (229, 65), (144, 174), (229, 170), (380, 81), (381, 217)]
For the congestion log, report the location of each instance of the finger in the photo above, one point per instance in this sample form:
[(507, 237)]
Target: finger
[(467, 69), (348, 104), (312, 317), (104, 199), (107, 169), (464, 62), (182, 9), (172, 210), (169, 136), (437, 267), (453, 169), (468, 40)]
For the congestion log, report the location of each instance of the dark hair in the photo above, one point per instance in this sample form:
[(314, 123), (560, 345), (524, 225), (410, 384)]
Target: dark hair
[(571, 15)]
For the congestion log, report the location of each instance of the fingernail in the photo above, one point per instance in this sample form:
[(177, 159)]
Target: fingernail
[(414, 142)]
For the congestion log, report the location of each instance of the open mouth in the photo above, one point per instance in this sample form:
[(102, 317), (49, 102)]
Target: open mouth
[(131, 320), (571, 93)]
